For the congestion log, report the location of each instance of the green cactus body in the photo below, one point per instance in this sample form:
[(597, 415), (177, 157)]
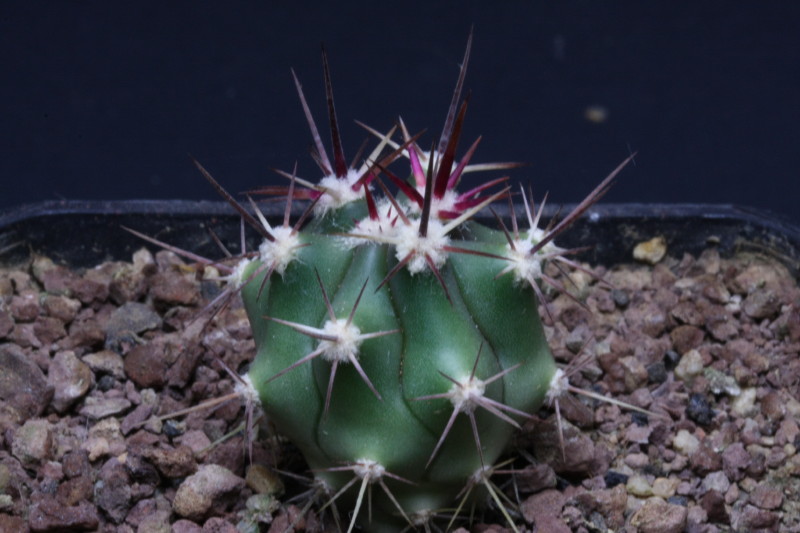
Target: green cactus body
[(435, 334)]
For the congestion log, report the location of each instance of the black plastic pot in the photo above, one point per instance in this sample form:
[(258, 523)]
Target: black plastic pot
[(82, 234)]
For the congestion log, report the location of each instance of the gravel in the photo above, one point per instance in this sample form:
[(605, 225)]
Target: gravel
[(708, 345)]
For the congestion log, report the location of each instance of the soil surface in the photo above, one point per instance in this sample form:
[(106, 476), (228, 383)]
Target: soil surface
[(708, 346)]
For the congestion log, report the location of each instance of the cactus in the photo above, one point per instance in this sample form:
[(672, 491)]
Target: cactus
[(399, 342)]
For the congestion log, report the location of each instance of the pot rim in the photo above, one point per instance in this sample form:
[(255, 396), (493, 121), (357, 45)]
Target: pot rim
[(83, 233)]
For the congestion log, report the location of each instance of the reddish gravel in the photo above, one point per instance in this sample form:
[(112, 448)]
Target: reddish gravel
[(709, 346)]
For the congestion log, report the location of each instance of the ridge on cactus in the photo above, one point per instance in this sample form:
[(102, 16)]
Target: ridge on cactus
[(380, 317)]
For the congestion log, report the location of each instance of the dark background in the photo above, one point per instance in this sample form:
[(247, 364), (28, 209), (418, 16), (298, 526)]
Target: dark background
[(104, 100)]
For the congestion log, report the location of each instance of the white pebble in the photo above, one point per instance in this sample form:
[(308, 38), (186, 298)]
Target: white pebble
[(745, 403), (639, 486), (690, 365), (685, 442)]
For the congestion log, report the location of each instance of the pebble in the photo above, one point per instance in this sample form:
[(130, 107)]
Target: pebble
[(573, 316), (229, 454), (772, 406), (6, 323), (733, 494), (639, 434), (292, 517), (579, 451), (685, 442), (156, 523), (97, 407), (637, 460), (766, 496), (106, 383), (75, 463), (788, 431), (33, 442), (761, 303), (722, 328), (171, 287), (650, 319), (13, 524), (678, 500), (610, 502), (104, 438), (720, 383), (658, 516), (48, 514), (61, 307), (621, 298), (576, 339), (745, 403), (93, 286), (48, 329), (130, 320), (705, 460), (690, 366), (70, 379), (54, 278), (639, 486), (196, 440), (263, 480), (24, 337), (216, 524), (113, 490), (688, 313), (174, 428), (713, 503), (699, 410), (172, 462), (652, 251), (95, 447), (74, 490), (106, 362), (22, 383), (152, 512), (84, 334), (685, 338), (186, 526), (604, 302), (734, 460), (716, 481), (141, 470), (751, 518), (665, 487), (544, 509), (634, 373), (671, 359), (657, 372), (145, 365), (756, 362), (24, 307), (696, 521), (212, 487), (130, 282), (756, 467), (136, 418), (612, 478), (756, 275), (260, 509)]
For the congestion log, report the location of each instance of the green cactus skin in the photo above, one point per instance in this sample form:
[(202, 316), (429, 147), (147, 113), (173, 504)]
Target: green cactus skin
[(435, 336)]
